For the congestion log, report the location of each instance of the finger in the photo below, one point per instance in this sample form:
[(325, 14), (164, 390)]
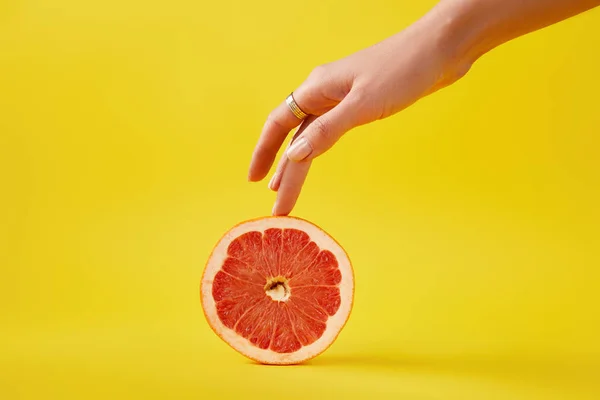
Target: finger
[(283, 161), (278, 125), (276, 179), (290, 178), (290, 186), (327, 129)]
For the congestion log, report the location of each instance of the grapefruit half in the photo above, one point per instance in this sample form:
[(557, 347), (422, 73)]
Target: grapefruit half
[(277, 289)]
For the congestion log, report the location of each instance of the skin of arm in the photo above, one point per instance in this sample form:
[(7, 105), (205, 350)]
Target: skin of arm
[(381, 80), (478, 26)]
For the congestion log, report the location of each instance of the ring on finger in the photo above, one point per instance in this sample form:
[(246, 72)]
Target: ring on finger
[(294, 108)]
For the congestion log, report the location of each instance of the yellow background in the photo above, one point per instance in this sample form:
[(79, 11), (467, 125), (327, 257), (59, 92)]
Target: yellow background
[(126, 128)]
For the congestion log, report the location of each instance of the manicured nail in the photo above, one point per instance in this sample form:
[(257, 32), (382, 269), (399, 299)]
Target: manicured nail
[(299, 150)]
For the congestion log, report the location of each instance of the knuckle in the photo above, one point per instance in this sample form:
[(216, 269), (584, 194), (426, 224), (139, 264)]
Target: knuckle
[(318, 73), (322, 130), (273, 121), (271, 117)]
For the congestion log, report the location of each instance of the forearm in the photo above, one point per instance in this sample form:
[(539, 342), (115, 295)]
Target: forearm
[(474, 27)]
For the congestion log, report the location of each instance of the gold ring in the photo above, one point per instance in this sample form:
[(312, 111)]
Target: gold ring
[(297, 111)]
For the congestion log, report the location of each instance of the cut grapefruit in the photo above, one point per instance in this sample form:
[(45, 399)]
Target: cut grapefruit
[(278, 289)]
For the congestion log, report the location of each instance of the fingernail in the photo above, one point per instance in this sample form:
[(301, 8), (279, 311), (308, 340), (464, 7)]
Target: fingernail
[(299, 150), (273, 211), (272, 181)]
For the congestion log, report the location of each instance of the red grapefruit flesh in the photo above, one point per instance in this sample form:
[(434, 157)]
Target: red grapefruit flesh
[(278, 289)]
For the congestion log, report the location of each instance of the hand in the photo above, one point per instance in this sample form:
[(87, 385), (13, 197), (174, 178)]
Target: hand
[(366, 86), (384, 79)]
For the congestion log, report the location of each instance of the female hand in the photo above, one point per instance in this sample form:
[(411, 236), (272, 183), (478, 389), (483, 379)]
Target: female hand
[(369, 85), (384, 79)]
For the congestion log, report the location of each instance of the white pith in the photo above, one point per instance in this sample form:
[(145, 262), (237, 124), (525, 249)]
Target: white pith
[(280, 292), (334, 324)]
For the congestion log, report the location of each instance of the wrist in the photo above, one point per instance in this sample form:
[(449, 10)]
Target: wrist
[(471, 28), (463, 35)]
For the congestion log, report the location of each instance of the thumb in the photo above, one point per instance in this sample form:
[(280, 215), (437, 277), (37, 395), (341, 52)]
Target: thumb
[(324, 131)]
